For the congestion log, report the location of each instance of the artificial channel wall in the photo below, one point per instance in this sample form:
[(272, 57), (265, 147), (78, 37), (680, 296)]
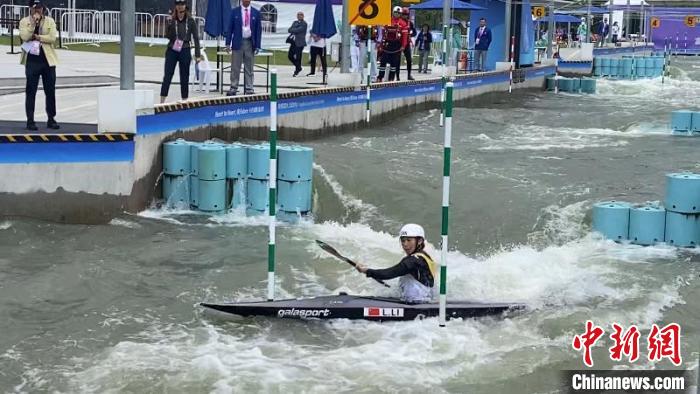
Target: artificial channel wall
[(92, 178)]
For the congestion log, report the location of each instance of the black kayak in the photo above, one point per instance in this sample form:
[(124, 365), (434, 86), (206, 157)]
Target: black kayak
[(345, 306)]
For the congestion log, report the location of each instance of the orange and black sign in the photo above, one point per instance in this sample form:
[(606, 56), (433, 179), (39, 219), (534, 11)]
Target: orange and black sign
[(655, 22), (690, 20)]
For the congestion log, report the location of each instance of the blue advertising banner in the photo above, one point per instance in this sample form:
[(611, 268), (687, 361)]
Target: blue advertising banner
[(198, 117)]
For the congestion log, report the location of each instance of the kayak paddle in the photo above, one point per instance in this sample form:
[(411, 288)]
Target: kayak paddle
[(335, 253)]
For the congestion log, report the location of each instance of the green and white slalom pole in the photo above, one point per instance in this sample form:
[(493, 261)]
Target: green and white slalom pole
[(272, 187), (445, 202), (663, 72), (369, 69), (444, 65)]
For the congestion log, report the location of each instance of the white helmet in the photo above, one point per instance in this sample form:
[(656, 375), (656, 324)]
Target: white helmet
[(397, 9), (412, 230)]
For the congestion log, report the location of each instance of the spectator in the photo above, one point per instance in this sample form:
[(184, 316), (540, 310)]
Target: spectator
[(423, 41), (38, 32), (482, 41), (244, 36), (181, 32), (615, 32), (297, 42), (582, 31), (604, 31), (317, 47)]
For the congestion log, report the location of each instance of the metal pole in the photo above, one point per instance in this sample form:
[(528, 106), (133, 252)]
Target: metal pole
[(345, 45), (627, 19), (588, 23), (447, 149), (272, 186), (126, 57), (369, 69), (194, 7), (507, 26)]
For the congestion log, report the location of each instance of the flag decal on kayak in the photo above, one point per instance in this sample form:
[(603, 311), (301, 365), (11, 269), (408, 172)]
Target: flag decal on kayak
[(383, 312)]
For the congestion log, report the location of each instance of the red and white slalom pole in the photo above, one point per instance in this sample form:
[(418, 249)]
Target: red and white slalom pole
[(512, 64)]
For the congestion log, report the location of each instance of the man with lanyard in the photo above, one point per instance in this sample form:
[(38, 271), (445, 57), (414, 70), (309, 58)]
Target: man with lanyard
[(391, 48), (38, 32), (243, 41), (481, 44), (407, 31), (416, 271)]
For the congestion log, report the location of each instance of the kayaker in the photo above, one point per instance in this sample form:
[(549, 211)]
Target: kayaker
[(416, 270)]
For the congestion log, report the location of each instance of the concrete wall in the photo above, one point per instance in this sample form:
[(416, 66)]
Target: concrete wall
[(96, 192)]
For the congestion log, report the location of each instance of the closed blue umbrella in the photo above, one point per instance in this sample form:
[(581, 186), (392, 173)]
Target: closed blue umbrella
[(218, 12), (324, 21)]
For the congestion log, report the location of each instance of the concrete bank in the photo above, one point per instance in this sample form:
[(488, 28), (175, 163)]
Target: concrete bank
[(92, 180)]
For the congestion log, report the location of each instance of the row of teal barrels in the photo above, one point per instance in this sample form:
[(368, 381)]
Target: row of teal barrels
[(572, 85), (188, 191), (685, 122), (629, 67), (677, 224), (213, 176)]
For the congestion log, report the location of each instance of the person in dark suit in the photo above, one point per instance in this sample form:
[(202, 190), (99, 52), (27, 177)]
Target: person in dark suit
[(297, 32), (482, 41), (243, 39)]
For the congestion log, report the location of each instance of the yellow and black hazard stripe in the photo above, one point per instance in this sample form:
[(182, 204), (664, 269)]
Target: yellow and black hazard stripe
[(40, 138)]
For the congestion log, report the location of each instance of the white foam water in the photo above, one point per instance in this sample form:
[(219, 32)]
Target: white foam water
[(4, 225), (578, 275)]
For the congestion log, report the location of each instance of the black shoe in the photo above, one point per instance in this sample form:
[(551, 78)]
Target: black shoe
[(231, 93), (32, 126), (310, 74), (410, 78), (52, 124)]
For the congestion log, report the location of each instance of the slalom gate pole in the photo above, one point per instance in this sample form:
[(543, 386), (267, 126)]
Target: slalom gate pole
[(447, 149), (512, 50), (272, 187)]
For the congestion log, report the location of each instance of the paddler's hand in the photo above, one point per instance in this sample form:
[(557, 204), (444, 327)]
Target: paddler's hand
[(361, 268)]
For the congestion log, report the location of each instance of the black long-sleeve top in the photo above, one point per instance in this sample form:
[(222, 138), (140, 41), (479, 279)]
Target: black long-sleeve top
[(186, 30), (410, 265)]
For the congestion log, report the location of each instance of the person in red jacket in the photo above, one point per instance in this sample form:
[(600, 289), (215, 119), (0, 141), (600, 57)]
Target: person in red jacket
[(391, 48), (407, 31)]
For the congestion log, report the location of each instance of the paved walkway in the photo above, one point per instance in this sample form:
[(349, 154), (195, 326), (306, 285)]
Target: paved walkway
[(79, 104)]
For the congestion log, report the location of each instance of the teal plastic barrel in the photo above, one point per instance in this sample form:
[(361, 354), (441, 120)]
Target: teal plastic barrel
[(682, 229), (683, 192), (647, 225), (236, 161), (575, 85), (550, 83), (211, 162), (611, 218), (259, 161), (658, 65), (605, 66), (588, 85), (614, 67), (176, 157), (597, 66), (257, 194), (238, 192), (695, 122), (295, 163), (212, 195), (176, 190), (626, 68), (681, 120), (294, 196), (566, 85), (639, 68)]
